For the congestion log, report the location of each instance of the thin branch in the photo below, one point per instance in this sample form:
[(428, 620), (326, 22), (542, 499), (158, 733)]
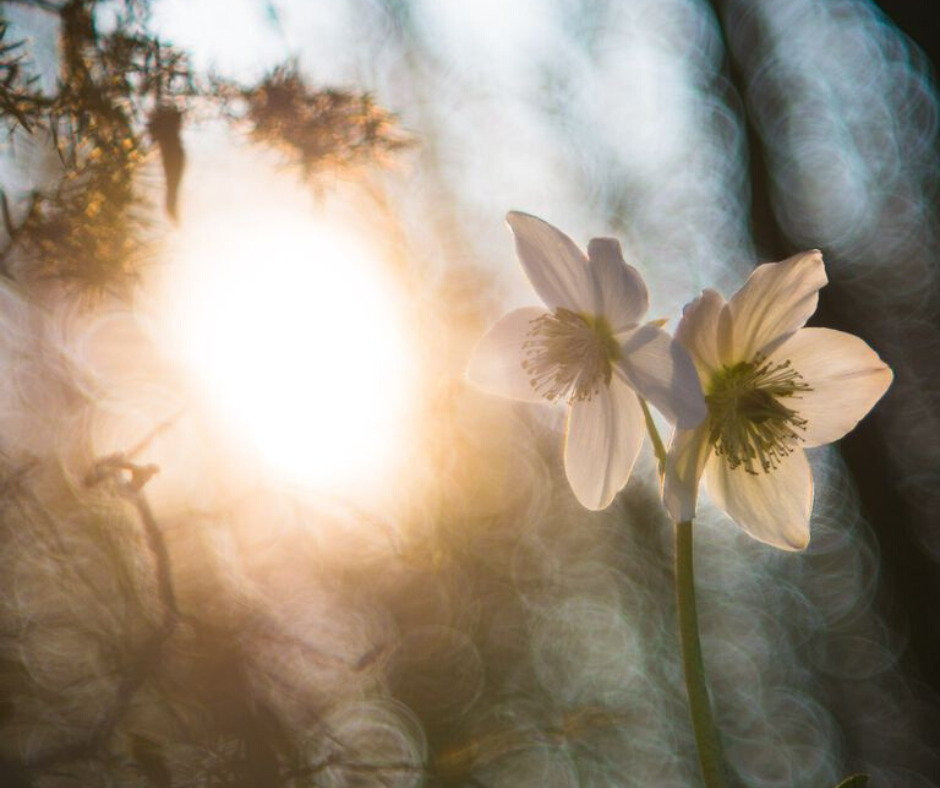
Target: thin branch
[(114, 468)]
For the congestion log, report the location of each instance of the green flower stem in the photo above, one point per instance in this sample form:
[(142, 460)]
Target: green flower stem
[(703, 724), (707, 740), (657, 442)]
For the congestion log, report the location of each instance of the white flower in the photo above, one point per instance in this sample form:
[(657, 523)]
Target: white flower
[(773, 388), (588, 349)]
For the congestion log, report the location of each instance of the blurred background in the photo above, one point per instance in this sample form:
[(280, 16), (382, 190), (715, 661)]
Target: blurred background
[(256, 527)]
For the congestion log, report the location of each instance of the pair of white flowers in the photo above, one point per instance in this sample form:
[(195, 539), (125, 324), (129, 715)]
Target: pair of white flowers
[(745, 385)]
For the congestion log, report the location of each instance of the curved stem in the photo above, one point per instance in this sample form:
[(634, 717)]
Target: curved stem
[(658, 448), (707, 740)]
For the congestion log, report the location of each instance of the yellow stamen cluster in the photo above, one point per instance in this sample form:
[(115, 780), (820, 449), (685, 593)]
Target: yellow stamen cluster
[(569, 355), (749, 424)]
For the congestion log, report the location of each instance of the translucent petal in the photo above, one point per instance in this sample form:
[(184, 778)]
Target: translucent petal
[(604, 438), (698, 331), (776, 300), (496, 362), (619, 289), (846, 378), (660, 370), (688, 453), (772, 507), (556, 267)]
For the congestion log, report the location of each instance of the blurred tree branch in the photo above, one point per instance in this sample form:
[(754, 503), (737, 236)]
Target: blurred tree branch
[(119, 92), (323, 129)]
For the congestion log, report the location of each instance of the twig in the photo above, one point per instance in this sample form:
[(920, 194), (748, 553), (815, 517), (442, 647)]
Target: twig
[(113, 468)]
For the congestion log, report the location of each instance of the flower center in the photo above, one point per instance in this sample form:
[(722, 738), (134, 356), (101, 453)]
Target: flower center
[(749, 423), (569, 355)]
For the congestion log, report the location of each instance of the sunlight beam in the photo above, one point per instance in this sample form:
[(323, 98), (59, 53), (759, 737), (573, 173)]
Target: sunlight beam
[(295, 333)]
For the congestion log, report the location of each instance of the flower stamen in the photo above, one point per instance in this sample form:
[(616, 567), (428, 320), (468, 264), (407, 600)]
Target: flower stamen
[(570, 355), (749, 424)]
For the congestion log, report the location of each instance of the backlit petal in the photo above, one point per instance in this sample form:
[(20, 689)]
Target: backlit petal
[(660, 370), (846, 378), (620, 290), (556, 267), (772, 507), (776, 300), (496, 362), (697, 331), (688, 453), (604, 438)]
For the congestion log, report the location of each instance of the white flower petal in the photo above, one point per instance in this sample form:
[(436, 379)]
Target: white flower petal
[(621, 293), (772, 507), (604, 438), (688, 453), (776, 300), (496, 363), (698, 330), (846, 378), (556, 267), (661, 371)]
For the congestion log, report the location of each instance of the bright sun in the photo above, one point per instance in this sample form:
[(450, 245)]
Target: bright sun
[(296, 333)]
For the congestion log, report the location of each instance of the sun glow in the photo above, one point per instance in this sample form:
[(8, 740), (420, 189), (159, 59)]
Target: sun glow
[(296, 335)]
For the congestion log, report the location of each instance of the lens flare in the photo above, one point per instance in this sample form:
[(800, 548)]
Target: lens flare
[(296, 336)]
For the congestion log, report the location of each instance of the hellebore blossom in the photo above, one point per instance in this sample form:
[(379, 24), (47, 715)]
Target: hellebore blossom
[(773, 388), (589, 350)]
